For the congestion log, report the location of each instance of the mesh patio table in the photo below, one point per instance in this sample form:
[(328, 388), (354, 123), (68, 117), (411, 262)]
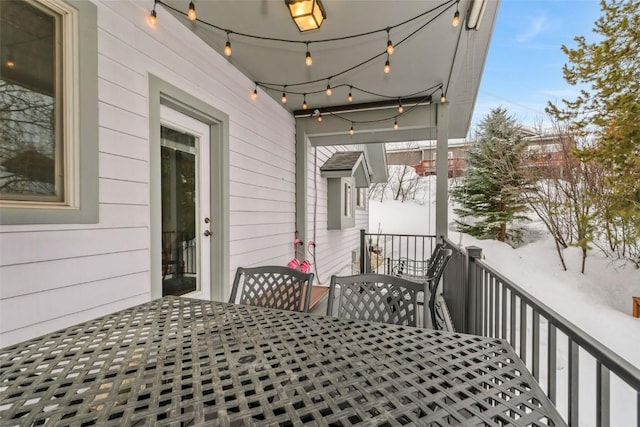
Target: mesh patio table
[(177, 361)]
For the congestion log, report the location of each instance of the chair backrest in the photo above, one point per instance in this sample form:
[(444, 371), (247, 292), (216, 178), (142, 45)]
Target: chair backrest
[(440, 261), (272, 287), (375, 297)]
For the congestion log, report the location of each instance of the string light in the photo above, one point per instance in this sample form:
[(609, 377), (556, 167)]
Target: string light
[(429, 16), (304, 102), (191, 14), (153, 18), (350, 97), (227, 46), (400, 107), (320, 117), (395, 125), (387, 66), (254, 94), (351, 131), (456, 17), (389, 44), (284, 95), (308, 60), (10, 63), (443, 98)]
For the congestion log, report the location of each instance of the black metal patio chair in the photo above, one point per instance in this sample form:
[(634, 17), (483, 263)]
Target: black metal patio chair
[(377, 298), (272, 287), (437, 306)]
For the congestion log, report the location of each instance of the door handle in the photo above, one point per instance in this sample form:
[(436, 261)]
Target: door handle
[(207, 233)]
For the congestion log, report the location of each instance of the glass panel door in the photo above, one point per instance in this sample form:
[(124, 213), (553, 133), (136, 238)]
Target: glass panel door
[(185, 199)]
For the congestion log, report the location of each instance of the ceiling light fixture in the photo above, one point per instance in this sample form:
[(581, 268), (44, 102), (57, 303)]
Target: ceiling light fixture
[(191, 14), (306, 14)]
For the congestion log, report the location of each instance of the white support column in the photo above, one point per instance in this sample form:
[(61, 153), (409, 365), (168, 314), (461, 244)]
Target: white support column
[(301, 179), (442, 169)]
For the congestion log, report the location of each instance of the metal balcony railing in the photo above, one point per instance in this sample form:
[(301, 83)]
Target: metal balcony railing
[(482, 301)]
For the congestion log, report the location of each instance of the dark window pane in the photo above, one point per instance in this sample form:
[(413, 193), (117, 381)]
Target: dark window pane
[(30, 143)]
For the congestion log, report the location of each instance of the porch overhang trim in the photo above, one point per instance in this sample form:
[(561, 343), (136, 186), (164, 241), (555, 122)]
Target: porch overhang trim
[(365, 106)]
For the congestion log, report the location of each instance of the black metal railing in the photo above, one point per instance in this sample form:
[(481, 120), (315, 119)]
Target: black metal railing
[(178, 253), (497, 307), (482, 301), (382, 253)]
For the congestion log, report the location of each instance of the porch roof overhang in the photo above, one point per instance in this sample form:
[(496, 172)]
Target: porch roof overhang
[(431, 57)]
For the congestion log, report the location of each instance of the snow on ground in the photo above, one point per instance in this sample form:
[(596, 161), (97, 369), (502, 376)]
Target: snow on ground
[(599, 301)]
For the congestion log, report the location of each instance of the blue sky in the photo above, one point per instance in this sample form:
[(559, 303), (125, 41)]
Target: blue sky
[(524, 65)]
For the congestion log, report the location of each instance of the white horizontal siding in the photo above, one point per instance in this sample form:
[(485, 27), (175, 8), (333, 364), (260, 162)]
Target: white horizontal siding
[(52, 276), (333, 247)]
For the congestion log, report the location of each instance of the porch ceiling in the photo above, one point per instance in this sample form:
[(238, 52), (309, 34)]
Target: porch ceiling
[(437, 54)]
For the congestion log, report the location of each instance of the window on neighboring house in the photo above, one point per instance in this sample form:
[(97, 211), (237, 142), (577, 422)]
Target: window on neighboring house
[(360, 197), (41, 134), (348, 200)]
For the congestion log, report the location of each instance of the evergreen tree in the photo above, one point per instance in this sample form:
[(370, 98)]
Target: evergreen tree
[(489, 195), (607, 112)]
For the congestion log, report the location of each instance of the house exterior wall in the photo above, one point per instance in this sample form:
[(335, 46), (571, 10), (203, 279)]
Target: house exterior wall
[(333, 247), (52, 276)]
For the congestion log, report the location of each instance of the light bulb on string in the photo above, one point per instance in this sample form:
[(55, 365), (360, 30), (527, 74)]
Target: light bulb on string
[(329, 91), (254, 94), (10, 63), (395, 124), (153, 18), (400, 107), (351, 131), (191, 14), (350, 97), (387, 66), (389, 44), (456, 17), (284, 95), (304, 102), (443, 98), (308, 60), (320, 117), (227, 46)]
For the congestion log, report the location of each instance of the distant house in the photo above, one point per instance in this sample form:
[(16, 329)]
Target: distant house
[(545, 149)]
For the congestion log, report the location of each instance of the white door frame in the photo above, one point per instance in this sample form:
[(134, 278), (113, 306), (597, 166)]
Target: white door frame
[(162, 92)]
